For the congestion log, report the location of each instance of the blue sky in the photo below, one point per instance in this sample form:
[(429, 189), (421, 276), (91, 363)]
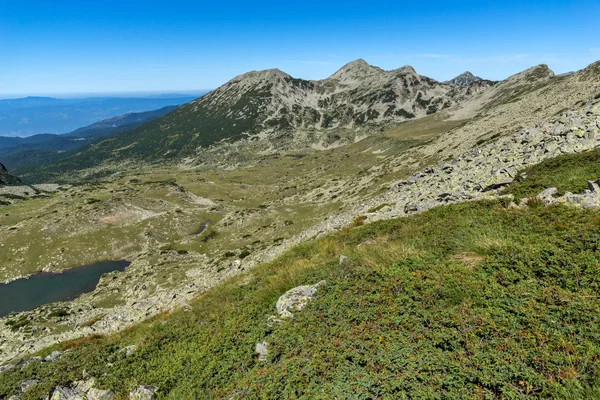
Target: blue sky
[(51, 47)]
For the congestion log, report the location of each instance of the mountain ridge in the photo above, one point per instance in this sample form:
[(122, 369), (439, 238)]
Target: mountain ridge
[(272, 104)]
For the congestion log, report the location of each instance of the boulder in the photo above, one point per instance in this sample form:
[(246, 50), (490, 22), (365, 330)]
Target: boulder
[(129, 350), (295, 299), (593, 186), (262, 350), (547, 195), (97, 394), (65, 393), (143, 392), (84, 386), (54, 356)]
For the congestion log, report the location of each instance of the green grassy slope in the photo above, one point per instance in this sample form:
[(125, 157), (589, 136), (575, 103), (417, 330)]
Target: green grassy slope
[(466, 301), (568, 173)]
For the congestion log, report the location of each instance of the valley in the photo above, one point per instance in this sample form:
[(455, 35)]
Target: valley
[(193, 209)]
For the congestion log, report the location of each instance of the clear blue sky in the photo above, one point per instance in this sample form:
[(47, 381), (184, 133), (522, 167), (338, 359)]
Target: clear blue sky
[(58, 46)]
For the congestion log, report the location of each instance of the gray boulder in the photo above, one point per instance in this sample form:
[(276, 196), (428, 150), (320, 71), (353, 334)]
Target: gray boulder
[(84, 386), (65, 393), (593, 186), (262, 350), (295, 299), (97, 394), (143, 392), (54, 356), (547, 195)]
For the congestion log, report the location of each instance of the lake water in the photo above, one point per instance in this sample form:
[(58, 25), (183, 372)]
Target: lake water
[(44, 288)]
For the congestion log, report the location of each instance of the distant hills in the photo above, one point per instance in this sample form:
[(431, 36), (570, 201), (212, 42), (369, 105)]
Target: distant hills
[(36, 115), (18, 152)]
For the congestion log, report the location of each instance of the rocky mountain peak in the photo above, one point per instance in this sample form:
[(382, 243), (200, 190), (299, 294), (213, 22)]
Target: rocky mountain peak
[(355, 70), (590, 73), (407, 69), (464, 79), (538, 73), (267, 75)]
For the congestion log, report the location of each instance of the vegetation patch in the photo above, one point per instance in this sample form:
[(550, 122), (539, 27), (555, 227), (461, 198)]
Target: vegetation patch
[(567, 173), (465, 301)]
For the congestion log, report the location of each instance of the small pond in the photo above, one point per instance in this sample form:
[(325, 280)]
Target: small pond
[(43, 288)]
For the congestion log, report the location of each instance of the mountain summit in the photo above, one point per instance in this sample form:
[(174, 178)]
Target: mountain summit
[(464, 79)]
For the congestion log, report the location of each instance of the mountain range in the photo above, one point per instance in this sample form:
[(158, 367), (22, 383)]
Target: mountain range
[(18, 152), (273, 107), (272, 111), (37, 115)]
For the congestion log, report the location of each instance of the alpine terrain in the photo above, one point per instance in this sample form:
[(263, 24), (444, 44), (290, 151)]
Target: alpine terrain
[(374, 234)]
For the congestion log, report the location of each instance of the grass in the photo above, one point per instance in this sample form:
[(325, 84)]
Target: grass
[(470, 300), (567, 173), (465, 301)]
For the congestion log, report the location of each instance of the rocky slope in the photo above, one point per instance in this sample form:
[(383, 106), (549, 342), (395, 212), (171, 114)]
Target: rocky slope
[(268, 112), (476, 174)]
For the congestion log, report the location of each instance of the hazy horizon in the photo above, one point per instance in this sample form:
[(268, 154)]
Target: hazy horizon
[(84, 95)]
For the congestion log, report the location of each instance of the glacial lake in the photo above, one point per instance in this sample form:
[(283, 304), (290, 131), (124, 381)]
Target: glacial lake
[(44, 287)]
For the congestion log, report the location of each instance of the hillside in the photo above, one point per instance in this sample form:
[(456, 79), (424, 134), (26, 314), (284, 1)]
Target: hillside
[(17, 152), (474, 300), (6, 178), (225, 231)]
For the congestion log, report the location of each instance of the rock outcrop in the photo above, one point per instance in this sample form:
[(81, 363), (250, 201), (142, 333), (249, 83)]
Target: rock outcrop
[(295, 299)]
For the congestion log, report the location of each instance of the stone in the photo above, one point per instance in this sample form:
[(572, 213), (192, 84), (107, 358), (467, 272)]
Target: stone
[(28, 384), (273, 320), (24, 362), (84, 386), (343, 258), (65, 393), (129, 350), (54, 356), (499, 183), (410, 208), (6, 367), (143, 392), (97, 394), (262, 350), (547, 195), (295, 299)]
